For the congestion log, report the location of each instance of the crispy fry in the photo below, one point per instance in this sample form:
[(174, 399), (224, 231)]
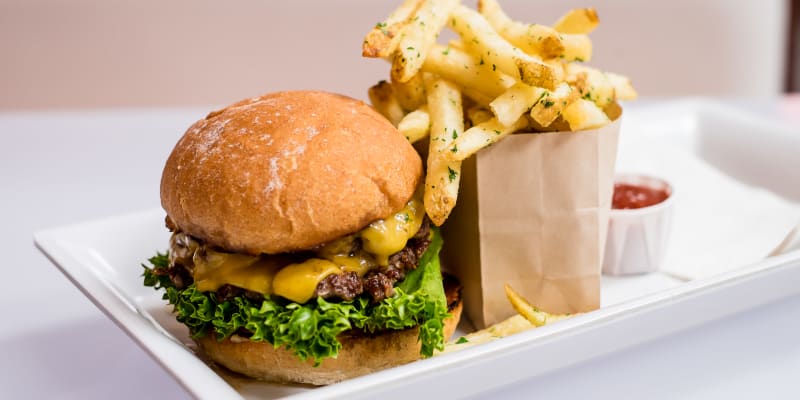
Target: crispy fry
[(578, 21), (479, 36), (505, 328), (514, 102), (382, 98), (382, 40), (622, 86), (550, 105), (576, 48), (535, 39), (558, 125), (483, 135), (416, 124), (597, 88), (529, 317), (478, 114), (428, 21), (584, 114), (410, 94), (535, 316), (447, 124), (461, 68), (457, 44)]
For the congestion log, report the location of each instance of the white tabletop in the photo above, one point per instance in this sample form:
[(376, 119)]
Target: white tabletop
[(60, 168)]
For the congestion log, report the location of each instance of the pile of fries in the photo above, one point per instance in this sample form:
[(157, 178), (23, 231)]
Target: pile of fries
[(529, 317), (500, 77)]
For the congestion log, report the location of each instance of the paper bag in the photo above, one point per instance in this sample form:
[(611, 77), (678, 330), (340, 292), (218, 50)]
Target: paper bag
[(532, 212)]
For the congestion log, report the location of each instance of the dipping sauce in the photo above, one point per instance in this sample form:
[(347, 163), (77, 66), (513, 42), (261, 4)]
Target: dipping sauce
[(628, 196)]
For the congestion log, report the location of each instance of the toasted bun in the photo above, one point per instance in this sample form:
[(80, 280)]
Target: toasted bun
[(287, 171), (359, 355)]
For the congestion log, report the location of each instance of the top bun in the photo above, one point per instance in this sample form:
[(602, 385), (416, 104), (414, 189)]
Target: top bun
[(287, 171)]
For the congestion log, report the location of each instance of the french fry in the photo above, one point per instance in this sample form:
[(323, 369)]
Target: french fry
[(536, 39), (623, 89), (550, 105), (529, 317), (410, 94), (584, 114), (535, 316), (544, 105), (514, 102), (482, 135), (578, 21), (461, 68), (481, 39), (576, 48), (456, 44), (478, 114), (558, 125), (597, 87), (428, 21), (508, 327), (415, 125), (382, 98), (382, 40), (447, 124)]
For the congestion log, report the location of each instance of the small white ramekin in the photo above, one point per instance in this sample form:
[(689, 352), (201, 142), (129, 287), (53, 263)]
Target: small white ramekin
[(637, 238)]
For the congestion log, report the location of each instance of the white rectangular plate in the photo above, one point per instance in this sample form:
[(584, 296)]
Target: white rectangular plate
[(103, 259)]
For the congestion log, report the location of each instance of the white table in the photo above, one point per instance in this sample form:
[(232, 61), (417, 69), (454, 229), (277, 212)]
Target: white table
[(64, 167)]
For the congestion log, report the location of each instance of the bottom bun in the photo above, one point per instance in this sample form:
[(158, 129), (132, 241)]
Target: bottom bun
[(359, 355)]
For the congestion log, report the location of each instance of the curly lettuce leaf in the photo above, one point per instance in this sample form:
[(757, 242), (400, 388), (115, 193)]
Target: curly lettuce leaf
[(310, 330)]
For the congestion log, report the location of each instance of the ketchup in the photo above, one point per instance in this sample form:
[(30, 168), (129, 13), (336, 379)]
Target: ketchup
[(627, 196)]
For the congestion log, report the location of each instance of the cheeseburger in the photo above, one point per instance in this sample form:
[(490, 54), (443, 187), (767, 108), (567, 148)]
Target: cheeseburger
[(300, 250)]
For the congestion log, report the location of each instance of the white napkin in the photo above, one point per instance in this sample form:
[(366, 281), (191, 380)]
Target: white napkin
[(719, 223)]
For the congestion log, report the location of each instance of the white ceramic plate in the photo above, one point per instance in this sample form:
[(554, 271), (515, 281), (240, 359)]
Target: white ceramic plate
[(103, 259)]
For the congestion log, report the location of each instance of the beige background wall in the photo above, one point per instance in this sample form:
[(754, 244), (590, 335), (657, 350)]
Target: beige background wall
[(94, 53)]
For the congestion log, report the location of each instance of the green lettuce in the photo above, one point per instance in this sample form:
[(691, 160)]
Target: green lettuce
[(310, 330)]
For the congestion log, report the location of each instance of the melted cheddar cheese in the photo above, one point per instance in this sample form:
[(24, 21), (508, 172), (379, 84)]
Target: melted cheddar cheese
[(297, 281), (385, 237)]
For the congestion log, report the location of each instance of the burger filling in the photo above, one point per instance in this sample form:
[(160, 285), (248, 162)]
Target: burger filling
[(384, 277)]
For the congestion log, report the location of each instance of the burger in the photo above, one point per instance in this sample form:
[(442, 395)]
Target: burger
[(300, 250)]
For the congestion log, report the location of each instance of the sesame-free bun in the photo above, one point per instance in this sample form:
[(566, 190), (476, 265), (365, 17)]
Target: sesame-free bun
[(359, 355), (287, 171)]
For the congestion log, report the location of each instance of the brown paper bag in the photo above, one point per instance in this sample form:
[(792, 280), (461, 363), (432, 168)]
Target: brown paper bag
[(533, 212)]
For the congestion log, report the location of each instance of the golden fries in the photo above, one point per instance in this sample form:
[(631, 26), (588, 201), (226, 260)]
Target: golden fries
[(514, 102), (415, 125), (529, 317), (584, 114), (479, 36), (597, 88), (550, 105), (410, 94), (578, 21), (622, 86), (382, 40), (414, 44), (447, 124), (513, 77), (482, 135), (478, 114), (532, 314), (382, 98), (499, 330), (536, 39), (461, 68)]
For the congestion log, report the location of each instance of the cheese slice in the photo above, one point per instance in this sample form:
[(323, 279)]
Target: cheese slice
[(385, 237), (298, 282), (282, 276)]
